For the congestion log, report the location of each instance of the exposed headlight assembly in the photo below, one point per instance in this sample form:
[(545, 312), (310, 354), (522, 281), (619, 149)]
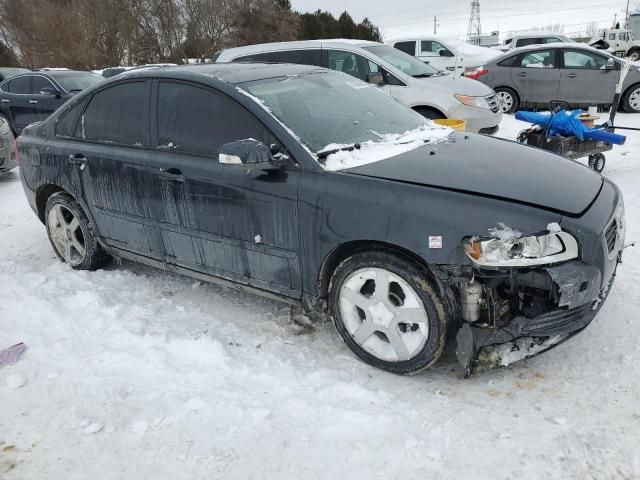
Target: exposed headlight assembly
[(508, 248), (480, 102)]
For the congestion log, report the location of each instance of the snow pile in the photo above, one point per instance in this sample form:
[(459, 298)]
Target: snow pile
[(389, 146)]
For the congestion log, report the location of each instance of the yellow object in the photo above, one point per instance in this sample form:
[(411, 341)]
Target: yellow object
[(459, 125)]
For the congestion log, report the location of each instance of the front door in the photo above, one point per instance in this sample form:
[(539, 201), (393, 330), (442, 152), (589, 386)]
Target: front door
[(215, 218), (43, 99), (111, 163), (438, 56), (584, 78), (536, 76)]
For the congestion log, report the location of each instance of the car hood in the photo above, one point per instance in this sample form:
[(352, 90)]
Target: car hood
[(454, 84), (495, 168)]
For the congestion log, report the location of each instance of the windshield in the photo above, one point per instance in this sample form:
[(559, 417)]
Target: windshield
[(74, 82), (326, 108), (402, 61)]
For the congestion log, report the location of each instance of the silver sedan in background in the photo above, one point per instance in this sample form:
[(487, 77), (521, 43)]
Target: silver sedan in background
[(531, 77)]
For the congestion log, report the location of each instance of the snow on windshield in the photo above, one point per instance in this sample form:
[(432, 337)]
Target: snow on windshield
[(390, 146)]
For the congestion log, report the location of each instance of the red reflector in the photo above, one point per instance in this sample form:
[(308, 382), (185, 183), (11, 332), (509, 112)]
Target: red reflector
[(475, 74)]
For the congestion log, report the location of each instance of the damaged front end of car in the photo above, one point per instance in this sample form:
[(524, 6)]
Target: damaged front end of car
[(523, 294)]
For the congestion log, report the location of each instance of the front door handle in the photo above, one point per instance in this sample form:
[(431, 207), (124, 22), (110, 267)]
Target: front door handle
[(33, 101), (173, 174), (78, 159), (5, 100), (571, 75), (522, 74)]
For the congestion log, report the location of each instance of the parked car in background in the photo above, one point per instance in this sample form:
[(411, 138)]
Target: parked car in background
[(240, 173), (582, 76), (533, 38), (8, 150), (33, 96), (415, 84), (445, 54), (619, 42), (6, 72)]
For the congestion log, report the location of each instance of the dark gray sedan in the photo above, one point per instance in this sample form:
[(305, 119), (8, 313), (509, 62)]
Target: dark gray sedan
[(533, 76)]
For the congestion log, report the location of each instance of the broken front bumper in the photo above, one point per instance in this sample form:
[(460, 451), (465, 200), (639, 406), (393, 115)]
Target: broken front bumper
[(481, 348)]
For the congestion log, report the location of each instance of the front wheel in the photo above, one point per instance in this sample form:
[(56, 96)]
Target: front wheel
[(634, 56), (507, 99), (388, 312), (70, 234), (631, 100), (597, 162)]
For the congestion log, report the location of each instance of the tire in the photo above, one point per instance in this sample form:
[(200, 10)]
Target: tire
[(4, 117), (507, 99), (430, 113), (634, 56), (368, 315), (597, 162), (631, 99), (71, 235)]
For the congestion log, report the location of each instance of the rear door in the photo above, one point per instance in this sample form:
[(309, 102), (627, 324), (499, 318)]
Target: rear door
[(536, 76), (16, 101), (215, 218), (111, 162), (584, 80)]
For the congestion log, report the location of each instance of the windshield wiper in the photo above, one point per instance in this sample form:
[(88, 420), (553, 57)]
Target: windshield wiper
[(422, 75), (348, 148)]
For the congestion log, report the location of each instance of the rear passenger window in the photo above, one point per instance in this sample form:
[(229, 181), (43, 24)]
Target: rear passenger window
[(198, 120), (256, 57), (117, 115), (538, 59), (302, 57), (20, 85), (406, 47), (69, 125)]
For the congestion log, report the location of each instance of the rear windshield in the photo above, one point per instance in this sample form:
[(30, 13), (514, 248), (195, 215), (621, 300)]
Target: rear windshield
[(76, 81)]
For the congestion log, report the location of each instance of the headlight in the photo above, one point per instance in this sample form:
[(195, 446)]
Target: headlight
[(480, 102), (508, 248)]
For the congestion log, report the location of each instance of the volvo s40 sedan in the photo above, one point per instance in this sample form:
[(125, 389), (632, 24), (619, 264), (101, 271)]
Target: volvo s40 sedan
[(312, 187)]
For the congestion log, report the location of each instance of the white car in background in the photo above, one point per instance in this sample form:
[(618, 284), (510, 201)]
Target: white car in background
[(445, 54), (427, 90), (533, 38)]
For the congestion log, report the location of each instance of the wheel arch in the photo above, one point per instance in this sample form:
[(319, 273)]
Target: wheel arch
[(347, 249), (417, 108), (42, 195)]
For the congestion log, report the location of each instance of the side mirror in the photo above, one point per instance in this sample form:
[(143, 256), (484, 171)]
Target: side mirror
[(610, 65), (249, 154), (375, 78), (49, 91)]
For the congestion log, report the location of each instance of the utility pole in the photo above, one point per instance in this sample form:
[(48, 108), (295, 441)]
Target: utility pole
[(474, 31), (435, 25)]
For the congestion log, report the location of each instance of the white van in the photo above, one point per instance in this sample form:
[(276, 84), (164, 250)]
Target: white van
[(421, 87), (446, 54)]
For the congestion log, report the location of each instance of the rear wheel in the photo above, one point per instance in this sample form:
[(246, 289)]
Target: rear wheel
[(430, 113), (634, 55), (597, 162), (631, 100), (507, 99), (387, 312), (70, 234)]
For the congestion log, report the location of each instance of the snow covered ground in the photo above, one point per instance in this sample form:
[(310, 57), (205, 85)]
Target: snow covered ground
[(134, 373)]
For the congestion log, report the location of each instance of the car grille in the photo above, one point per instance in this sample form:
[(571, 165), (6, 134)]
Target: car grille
[(493, 103), (611, 235)]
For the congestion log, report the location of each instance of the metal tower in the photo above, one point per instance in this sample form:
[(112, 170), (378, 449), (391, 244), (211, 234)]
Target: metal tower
[(474, 31)]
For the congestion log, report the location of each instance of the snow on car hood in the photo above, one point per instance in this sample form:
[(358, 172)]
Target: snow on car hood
[(481, 165), (390, 145), (454, 84)]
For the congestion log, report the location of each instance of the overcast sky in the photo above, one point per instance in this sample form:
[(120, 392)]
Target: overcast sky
[(410, 17)]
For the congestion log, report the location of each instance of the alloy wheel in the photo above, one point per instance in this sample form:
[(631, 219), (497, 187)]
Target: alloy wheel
[(634, 100), (383, 314), (66, 234), (505, 100)]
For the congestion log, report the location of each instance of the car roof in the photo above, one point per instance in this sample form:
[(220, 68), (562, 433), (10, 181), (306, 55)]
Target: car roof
[(539, 35), (276, 46), (233, 73), (547, 46)]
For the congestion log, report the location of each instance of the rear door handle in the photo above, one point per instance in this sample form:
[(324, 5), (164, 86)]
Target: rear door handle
[(33, 101), (571, 75), (5, 100), (522, 74), (78, 159), (173, 174)]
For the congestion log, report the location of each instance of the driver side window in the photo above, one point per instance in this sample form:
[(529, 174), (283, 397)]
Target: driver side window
[(349, 63), (583, 60), (431, 48)]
